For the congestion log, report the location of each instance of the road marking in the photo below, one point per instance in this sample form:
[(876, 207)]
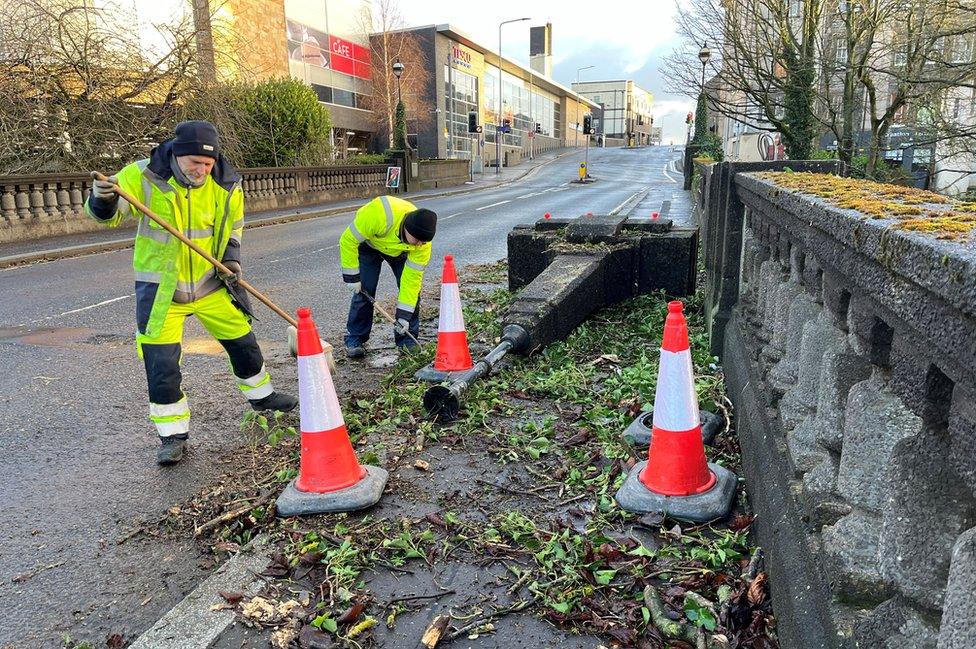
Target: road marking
[(451, 216), (641, 193), (84, 308), (666, 173), (302, 254), (524, 196), (560, 189), (478, 209)]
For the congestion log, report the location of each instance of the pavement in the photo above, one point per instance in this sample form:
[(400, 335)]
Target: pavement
[(78, 451)]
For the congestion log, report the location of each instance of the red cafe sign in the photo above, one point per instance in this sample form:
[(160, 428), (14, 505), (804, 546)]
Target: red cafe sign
[(349, 58)]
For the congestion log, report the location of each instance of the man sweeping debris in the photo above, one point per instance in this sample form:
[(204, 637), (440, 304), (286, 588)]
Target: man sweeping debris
[(393, 230), (188, 183)]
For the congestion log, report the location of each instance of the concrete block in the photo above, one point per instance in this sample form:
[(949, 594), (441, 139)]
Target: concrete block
[(648, 225), (962, 435), (803, 309), (850, 550), (927, 509), (669, 262), (805, 453), (822, 504), (552, 224), (840, 371), (894, 624), (620, 274), (528, 256), (801, 400), (788, 291), (874, 421), (958, 630), (559, 299), (595, 229)]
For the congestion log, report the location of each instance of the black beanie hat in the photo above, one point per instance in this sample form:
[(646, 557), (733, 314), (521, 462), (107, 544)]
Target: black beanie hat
[(421, 223), (196, 138)]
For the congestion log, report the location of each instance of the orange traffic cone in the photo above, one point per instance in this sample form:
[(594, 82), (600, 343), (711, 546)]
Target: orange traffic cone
[(452, 341), (330, 478), (676, 480)]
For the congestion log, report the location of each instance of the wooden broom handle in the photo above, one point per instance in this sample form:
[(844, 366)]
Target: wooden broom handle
[(195, 248)]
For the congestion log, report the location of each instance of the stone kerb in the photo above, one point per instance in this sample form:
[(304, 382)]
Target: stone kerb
[(857, 344)]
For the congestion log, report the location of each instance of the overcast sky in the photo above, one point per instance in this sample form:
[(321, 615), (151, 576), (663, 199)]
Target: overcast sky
[(624, 39)]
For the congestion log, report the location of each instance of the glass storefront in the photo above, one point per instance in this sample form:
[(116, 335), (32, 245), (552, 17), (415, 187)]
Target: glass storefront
[(523, 106), (457, 105)]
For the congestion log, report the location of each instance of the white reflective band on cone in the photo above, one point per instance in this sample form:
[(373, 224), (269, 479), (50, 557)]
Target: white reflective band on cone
[(317, 400), (675, 401), (451, 318)]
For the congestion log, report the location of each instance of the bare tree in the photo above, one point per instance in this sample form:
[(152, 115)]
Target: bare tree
[(381, 25), (766, 58), (80, 87)]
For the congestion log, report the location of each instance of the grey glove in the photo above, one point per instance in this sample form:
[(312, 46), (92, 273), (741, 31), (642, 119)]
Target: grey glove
[(105, 189), (355, 287), (402, 327), (234, 267)]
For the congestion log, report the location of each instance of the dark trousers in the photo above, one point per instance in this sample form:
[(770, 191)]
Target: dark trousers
[(360, 321)]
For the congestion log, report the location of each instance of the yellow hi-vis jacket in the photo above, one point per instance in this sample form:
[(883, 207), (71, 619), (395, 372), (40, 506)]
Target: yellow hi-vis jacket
[(211, 215), (378, 224)]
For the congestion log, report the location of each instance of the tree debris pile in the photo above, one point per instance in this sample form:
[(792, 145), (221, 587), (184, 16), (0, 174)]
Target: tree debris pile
[(504, 522)]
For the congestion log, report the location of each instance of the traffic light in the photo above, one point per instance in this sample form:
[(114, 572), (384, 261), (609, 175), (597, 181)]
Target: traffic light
[(538, 127), (506, 125), (473, 126), (588, 125)]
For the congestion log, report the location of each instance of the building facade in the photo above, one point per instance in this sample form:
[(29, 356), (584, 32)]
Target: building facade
[(536, 113), (328, 48), (626, 108)]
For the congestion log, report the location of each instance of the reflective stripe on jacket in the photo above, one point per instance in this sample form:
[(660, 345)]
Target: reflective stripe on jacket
[(378, 224), (211, 215)]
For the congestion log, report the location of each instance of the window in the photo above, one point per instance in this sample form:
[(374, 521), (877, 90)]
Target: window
[(956, 107), (460, 98), (840, 50), (900, 58), (962, 50)]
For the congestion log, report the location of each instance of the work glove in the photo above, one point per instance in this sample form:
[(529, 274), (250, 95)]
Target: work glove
[(234, 267), (401, 327), (355, 287), (105, 189)]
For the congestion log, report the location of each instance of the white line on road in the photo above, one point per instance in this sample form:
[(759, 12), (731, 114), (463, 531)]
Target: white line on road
[(451, 216), (561, 189), (524, 196), (84, 308), (302, 254), (666, 174), (485, 207)]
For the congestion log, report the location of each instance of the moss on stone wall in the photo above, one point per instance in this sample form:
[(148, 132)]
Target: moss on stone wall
[(912, 209)]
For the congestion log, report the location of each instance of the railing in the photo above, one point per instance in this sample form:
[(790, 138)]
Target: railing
[(49, 204)]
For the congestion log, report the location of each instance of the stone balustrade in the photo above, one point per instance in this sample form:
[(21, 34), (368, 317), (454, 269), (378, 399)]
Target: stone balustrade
[(32, 207), (850, 354)]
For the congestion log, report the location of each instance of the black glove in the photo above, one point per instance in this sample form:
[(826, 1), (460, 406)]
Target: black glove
[(234, 267)]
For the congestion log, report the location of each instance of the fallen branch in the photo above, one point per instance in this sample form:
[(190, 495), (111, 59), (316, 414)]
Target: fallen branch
[(412, 598), (491, 617), (670, 628), (234, 514)]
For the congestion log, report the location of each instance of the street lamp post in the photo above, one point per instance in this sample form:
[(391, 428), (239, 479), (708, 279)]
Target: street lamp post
[(397, 71), (498, 117), (703, 55), (578, 70)]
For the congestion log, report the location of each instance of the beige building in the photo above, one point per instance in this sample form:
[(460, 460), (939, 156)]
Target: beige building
[(626, 108)]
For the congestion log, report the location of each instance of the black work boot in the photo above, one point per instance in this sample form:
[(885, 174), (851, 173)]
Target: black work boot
[(356, 351), (171, 450), (275, 401)]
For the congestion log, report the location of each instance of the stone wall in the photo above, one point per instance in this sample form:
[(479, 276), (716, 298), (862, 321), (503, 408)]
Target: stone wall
[(850, 356), (32, 207), (432, 174)]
